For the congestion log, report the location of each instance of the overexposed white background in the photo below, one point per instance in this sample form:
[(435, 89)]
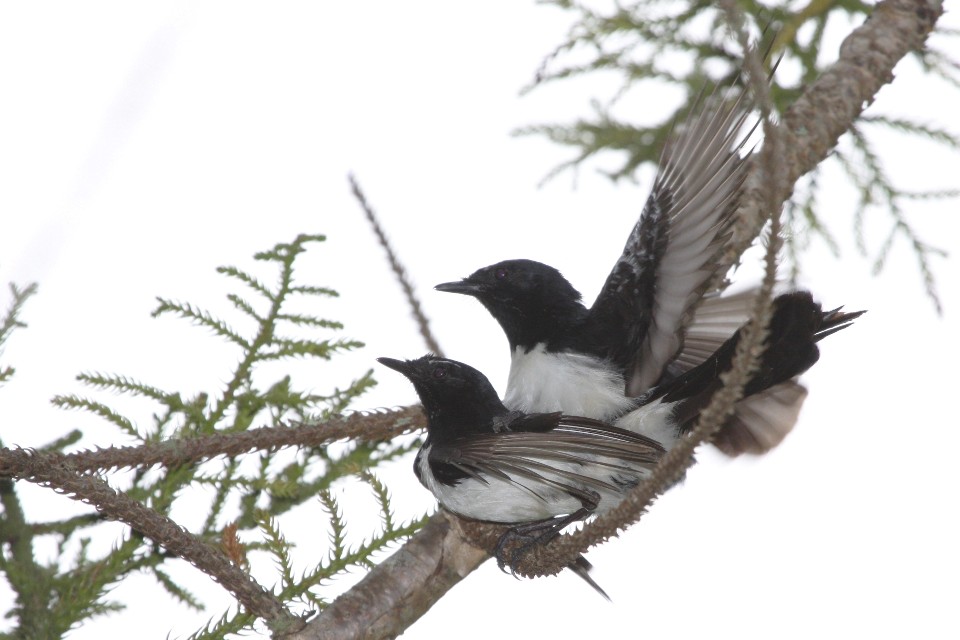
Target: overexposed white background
[(141, 146)]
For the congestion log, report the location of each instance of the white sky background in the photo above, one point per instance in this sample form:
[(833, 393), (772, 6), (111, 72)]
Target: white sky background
[(143, 146)]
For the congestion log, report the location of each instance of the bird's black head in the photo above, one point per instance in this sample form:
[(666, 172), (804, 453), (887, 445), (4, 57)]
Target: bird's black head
[(457, 398), (532, 301)]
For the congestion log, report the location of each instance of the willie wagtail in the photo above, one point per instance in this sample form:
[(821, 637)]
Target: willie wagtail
[(539, 471)]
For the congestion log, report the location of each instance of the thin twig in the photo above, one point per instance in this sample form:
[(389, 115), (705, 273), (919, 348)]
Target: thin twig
[(398, 270)]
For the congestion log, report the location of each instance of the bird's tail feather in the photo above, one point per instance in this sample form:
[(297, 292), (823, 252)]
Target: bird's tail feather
[(760, 422), (581, 566), (772, 398)]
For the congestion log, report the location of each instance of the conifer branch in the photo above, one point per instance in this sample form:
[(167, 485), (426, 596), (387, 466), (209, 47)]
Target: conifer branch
[(11, 320), (381, 425), (256, 350), (52, 599), (31, 582), (812, 125), (52, 470)]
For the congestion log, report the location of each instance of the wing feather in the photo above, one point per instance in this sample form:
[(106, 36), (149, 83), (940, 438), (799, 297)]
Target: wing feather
[(672, 253), (714, 321), (578, 457)]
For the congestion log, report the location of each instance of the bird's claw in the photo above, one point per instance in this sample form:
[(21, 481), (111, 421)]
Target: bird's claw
[(518, 541)]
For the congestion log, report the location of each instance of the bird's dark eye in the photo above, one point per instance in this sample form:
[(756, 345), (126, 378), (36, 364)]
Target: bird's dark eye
[(500, 273), (439, 373)]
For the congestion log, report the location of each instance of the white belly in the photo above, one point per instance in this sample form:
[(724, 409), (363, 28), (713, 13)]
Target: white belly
[(523, 499), (497, 500), (655, 421), (575, 384)]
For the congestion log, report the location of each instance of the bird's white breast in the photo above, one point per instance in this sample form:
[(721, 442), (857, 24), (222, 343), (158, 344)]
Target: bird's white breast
[(576, 384)]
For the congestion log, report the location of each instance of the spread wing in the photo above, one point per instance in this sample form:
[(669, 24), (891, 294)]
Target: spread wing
[(578, 456), (673, 251)]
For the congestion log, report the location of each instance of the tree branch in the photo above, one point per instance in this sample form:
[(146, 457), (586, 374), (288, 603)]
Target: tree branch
[(403, 587), (53, 471), (179, 451), (812, 126)]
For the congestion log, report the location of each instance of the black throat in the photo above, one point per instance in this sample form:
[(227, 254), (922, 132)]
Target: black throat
[(557, 323)]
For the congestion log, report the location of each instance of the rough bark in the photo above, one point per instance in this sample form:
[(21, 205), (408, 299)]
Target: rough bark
[(402, 588)]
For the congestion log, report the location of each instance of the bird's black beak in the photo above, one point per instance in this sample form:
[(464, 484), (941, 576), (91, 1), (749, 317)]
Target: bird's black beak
[(397, 365), (463, 286)]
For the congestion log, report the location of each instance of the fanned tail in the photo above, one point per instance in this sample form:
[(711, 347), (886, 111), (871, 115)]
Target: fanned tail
[(772, 396)]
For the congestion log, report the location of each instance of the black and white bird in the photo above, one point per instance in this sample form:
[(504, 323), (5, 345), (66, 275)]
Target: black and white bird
[(487, 462), (541, 471), (654, 318)]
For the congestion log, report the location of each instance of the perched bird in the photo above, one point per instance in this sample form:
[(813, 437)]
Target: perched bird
[(654, 318), (486, 462), (542, 471)]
